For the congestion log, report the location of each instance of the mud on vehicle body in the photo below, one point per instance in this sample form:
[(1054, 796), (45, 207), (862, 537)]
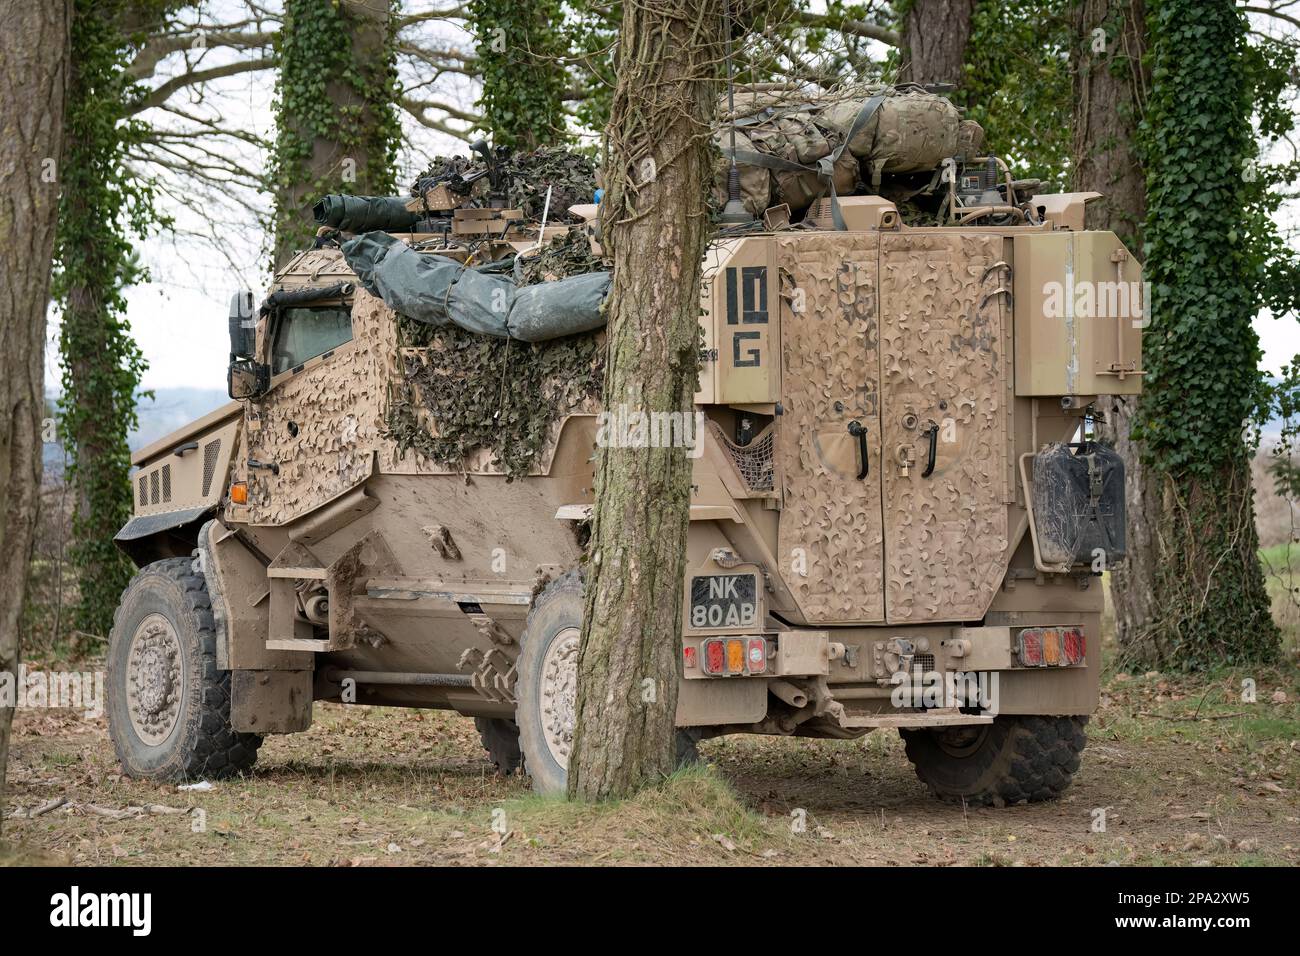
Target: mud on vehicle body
[(873, 542)]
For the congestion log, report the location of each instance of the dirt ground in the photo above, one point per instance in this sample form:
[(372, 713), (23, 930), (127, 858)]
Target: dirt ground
[(1186, 772)]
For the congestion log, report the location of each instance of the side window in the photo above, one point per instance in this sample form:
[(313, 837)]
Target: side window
[(303, 333)]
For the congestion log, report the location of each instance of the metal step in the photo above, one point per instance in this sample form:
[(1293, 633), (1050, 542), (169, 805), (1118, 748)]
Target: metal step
[(296, 644), (939, 717)]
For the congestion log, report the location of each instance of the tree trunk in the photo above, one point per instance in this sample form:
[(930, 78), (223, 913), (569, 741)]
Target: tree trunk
[(1201, 351), (33, 88), (1110, 88), (102, 204), (658, 164), (935, 34), (337, 128)]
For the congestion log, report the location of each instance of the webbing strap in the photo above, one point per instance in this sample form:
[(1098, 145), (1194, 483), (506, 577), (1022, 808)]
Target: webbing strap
[(826, 165), (825, 168)]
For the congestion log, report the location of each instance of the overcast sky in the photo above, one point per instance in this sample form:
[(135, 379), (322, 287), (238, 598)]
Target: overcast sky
[(179, 317)]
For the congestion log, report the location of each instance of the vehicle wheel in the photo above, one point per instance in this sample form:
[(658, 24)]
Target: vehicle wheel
[(547, 684), (1015, 759), (501, 740), (168, 704)]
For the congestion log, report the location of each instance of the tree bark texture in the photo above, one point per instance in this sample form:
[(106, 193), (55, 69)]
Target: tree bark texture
[(935, 34), (1110, 87), (33, 90), (655, 219)]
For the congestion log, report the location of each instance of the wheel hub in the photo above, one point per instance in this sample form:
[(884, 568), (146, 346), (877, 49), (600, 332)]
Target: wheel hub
[(153, 670), (961, 741), (559, 696)]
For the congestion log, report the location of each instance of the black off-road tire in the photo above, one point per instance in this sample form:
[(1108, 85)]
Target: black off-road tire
[(1016, 759), (501, 740), (201, 744), (688, 751), (557, 609)]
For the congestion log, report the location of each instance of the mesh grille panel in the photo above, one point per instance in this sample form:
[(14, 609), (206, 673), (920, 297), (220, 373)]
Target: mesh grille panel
[(167, 482), (923, 663), (753, 461), (153, 487), (144, 491), (210, 452)]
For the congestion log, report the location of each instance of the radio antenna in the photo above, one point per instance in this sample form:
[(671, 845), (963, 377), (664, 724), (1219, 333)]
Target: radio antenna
[(734, 213)]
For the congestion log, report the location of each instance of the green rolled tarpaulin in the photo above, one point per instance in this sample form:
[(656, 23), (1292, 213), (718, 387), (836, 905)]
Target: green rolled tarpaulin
[(364, 213), (484, 299)]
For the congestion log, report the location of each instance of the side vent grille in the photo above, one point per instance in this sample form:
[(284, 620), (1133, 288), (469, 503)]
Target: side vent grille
[(144, 491), (153, 487), (210, 453), (167, 482)]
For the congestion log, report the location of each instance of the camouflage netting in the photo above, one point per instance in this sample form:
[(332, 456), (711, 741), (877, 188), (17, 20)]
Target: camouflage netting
[(524, 178), (464, 392), (568, 254), (571, 176)]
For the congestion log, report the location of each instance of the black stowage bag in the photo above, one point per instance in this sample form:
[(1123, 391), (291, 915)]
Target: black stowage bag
[(364, 213), (1078, 498)]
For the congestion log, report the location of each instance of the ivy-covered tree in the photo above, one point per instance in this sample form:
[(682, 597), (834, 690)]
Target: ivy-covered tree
[(521, 58), (336, 117), (103, 205), (1110, 81), (1201, 351)]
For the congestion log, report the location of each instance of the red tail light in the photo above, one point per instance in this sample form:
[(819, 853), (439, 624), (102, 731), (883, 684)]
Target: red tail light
[(734, 656), (1030, 650), (715, 657), (1051, 647), (1074, 645)]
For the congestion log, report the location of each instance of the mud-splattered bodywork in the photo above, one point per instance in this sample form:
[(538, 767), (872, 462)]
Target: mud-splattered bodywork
[(872, 404)]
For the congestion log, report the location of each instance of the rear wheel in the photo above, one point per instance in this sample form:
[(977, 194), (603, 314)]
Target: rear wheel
[(168, 704), (547, 686), (501, 740), (1015, 759)]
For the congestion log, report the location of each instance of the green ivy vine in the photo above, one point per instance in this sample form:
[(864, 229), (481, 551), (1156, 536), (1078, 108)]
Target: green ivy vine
[(521, 48), (103, 207), (337, 85), (1203, 385)]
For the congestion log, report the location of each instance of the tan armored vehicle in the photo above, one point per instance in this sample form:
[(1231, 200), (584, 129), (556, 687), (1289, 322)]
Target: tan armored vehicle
[(895, 523)]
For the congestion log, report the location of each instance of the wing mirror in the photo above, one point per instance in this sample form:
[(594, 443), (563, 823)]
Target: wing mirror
[(245, 377)]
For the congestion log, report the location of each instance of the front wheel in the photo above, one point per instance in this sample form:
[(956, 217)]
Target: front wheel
[(1015, 759), (168, 704)]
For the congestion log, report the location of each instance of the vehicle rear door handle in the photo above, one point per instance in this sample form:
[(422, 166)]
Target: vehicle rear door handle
[(859, 431), (933, 433)]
